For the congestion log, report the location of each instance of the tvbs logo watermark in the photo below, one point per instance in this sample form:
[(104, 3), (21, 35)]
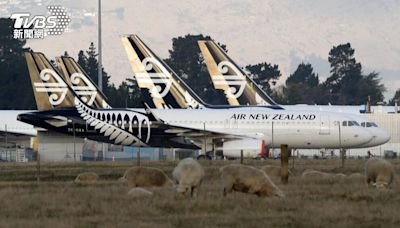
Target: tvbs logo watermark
[(40, 26)]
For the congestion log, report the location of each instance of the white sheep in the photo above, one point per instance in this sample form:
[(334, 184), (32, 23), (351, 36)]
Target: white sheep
[(273, 171), (146, 177), (188, 175), (309, 173), (379, 173), (88, 177), (248, 179), (139, 193)]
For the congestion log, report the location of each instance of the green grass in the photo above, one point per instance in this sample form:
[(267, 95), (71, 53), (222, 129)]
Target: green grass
[(57, 202)]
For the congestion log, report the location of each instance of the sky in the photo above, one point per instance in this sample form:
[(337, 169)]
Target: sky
[(284, 32)]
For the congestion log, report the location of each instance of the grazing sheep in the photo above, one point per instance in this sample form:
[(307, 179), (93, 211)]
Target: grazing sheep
[(316, 174), (248, 179), (273, 171), (355, 176), (340, 175), (146, 177), (88, 177), (188, 174), (379, 172), (139, 193)]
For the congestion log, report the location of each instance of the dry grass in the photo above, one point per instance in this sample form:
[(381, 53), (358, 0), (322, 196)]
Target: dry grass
[(57, 202)]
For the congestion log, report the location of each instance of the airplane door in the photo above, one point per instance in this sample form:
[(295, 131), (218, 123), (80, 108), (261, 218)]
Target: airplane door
[(324, 125), (231, 123)]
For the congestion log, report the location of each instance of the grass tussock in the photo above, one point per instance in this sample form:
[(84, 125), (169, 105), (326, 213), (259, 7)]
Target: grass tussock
[(314, 202)]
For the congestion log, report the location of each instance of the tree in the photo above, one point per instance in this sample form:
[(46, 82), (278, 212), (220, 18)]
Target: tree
[(396, 98), (303, 75), (302, 87), (126, 95), (186, 60), (15, 86), (347, 84), (371, 86), (264, 74), (89, 63)]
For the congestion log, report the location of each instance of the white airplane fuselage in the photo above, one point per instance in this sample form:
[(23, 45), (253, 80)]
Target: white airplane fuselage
[(298, 129)]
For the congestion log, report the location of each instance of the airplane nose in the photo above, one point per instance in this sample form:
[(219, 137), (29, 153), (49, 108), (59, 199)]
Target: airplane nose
[(363, 136), (383, 137), (379, 137)]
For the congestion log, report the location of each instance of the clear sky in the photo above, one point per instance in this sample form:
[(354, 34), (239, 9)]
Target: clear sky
[(283, 32)]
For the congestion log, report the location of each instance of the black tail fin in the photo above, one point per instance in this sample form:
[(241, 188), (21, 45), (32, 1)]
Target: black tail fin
[(238, 87), (157, 81), (81, 83), (50, 90)]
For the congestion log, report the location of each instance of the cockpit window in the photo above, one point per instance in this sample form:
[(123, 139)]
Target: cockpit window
[(350, 123), (363, 124), (371, 124)]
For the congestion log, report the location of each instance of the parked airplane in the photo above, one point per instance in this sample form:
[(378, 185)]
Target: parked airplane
[(141, 54), (62, 110), (83, 86), (222, 69), (228, 77)]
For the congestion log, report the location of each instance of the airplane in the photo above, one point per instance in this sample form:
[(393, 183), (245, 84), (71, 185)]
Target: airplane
[(222, 68), (72, 72), (235, 128), (83, 86), (228, 77), (139, 54)]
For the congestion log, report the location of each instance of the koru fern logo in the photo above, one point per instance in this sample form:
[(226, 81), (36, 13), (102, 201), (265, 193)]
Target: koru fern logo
[(27, 26), (87, 91), (230, 76), (53, 85), (162, 81)]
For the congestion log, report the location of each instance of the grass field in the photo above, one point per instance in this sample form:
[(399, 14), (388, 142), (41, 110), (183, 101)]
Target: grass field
[(57, 202)]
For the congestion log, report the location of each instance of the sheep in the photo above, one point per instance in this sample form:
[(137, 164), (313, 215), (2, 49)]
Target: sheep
[(355, 176), (309, 173), (88, 177), (379, 173), (273, 171), (188, 175), (146, 177), (139, 193), (340, 176), (248, 179)]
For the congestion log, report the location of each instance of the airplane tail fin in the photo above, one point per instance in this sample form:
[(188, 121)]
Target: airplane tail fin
[(238, 87), (158, 82), (81, 83), (49, 89)]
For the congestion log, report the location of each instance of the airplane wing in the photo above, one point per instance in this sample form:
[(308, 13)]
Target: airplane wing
[(15, 134)]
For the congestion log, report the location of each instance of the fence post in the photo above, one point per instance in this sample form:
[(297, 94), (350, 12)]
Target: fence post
[(284, 163)]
